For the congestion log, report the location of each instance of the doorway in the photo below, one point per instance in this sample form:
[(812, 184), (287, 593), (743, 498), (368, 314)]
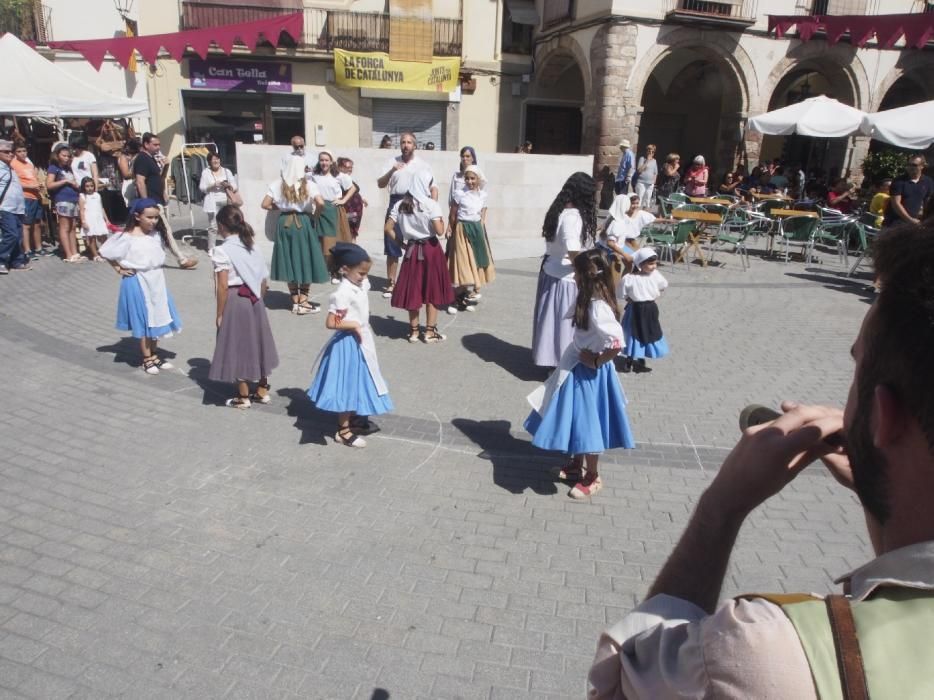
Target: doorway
[(554, 130)]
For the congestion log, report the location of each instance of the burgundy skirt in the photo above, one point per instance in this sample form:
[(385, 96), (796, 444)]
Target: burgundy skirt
[(423, 277)]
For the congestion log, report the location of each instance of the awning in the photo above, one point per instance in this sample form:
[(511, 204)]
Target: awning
[(522, 12), (817, 116), (907, 127), (199, 40), (917, 28)]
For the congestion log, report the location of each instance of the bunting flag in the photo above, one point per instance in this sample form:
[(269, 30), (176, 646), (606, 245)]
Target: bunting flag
[(917, 29), (124, 49)]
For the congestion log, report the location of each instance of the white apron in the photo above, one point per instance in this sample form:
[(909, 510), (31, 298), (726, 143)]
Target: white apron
[(145, 255)]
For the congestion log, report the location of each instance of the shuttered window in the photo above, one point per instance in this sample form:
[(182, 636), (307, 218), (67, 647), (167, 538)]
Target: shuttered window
[(424, 119)]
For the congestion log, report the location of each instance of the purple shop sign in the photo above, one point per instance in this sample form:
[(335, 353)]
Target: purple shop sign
[(240, 75)]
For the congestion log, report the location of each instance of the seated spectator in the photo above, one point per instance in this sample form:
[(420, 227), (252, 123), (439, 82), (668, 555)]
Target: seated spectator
[(880, 201), (842, 196), (729, 184), (778, 181)]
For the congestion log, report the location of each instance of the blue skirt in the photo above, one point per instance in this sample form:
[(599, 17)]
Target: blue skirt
[(586, 416), (637, 350), (343, 382), (132, 315)]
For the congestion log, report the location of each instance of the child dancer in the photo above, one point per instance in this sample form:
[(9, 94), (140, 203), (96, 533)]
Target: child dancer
[(144, 307), (347, 377), (245, 351), (641, 288), (296, 254), (469, 260), (423, 278), (353, 206), (331, 219), (581, 409), (93, 218)]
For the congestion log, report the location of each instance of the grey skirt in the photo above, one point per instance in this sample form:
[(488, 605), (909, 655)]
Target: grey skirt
[(245, 350), (552, 330)]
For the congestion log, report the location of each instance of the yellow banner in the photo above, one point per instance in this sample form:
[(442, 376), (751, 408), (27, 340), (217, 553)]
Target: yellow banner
[(377, 70)]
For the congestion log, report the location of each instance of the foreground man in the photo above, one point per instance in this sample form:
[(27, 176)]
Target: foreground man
[(678, 643)]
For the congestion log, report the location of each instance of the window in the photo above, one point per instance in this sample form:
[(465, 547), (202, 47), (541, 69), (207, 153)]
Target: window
[(519, 20), (557, 11), (820, 7)]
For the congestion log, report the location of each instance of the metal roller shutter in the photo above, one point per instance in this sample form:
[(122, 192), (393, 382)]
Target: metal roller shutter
[(424, 119)]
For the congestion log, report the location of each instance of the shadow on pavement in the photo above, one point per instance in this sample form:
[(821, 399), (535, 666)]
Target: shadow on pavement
[(215, 393), (276, 300), (390, 326), (515, 359), (517, 465), (127, 351), (838, 281), (313, 424)]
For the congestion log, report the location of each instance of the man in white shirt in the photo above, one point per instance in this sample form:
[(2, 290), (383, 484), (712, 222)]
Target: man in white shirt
[(298, 149), (404, 173), (680, 643)]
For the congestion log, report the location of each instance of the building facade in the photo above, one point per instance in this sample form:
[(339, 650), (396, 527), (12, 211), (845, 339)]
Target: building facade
[(687, 74), (189, 106)]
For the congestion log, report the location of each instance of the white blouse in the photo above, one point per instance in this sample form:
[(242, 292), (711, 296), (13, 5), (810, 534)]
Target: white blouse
[(638, 287), (417, 225), (215, 196), (350, 302), (414, 177), (567, 239), (331, 187), (222, 262), (470, 204), (604, 329), (275, 193), (135, 252)]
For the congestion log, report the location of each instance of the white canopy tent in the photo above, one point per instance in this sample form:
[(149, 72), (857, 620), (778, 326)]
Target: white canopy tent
[(32, 86), (906, 127), (819, 116)]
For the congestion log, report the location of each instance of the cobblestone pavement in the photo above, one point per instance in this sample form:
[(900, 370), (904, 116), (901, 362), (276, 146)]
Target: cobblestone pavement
[(156, 544)]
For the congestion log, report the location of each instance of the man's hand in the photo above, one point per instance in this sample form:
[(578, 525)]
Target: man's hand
[(770, 455)]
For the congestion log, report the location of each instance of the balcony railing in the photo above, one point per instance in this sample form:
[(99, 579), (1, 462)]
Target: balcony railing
[(734, 12), (325, 30)]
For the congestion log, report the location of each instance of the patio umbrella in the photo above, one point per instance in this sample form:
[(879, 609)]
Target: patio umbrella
[(906, 127), (819, 116)]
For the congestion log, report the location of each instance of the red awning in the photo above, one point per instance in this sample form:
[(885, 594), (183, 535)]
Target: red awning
[(200, 40), (917, 29)]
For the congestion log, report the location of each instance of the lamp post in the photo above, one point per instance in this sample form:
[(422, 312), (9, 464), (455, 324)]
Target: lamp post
[(124, 7)]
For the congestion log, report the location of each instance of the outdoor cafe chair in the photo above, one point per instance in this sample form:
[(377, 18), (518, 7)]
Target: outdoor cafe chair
[(734, 230), (834, 232), (866, 235), (798, 229), (679, 198), (670, 238)]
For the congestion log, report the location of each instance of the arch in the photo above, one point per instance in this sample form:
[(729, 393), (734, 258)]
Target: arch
[(560, 49), (916, 66), (819, 57), (716, 46), (553, 111)]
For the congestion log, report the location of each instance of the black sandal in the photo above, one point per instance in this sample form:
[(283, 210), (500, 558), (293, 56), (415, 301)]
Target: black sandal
[(238, 402), (432, 335), (261, 398), (347, 438), (414, 333)]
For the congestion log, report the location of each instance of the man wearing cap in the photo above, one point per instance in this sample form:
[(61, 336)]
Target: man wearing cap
[(626, 165), (12, 210), (404, 173)]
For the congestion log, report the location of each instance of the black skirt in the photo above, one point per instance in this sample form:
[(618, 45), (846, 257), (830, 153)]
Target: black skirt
[(645, 326)]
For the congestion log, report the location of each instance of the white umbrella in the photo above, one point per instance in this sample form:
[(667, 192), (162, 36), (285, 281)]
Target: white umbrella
[(819, 116), (906, 127)]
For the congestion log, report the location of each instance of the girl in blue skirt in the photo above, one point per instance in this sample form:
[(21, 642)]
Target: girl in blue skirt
[(347, 377), (641, 288), (144, 307), (581, 409)]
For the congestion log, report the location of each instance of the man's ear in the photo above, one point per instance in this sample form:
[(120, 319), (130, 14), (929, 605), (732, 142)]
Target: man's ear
[(889, 417)]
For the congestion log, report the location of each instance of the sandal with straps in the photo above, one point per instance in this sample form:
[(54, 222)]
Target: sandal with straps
[(569, 472), (414, 333), (306, 303), (238, 402), (345, 437), (151, 364), (263, 398), (432, 335)]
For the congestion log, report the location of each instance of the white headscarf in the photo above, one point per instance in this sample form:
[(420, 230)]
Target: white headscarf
[(642, 255), (293, 172), (619, 209), (475, 169)]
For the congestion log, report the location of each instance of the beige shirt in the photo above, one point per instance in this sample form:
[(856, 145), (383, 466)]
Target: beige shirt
[(670, 648)]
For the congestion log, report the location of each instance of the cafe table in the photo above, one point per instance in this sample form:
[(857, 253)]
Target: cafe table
[(694, 239)]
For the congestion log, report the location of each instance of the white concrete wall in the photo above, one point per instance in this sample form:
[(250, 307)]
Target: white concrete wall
[(521, 189)]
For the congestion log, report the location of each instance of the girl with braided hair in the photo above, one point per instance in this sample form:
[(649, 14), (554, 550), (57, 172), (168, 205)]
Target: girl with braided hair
[(570, 227)]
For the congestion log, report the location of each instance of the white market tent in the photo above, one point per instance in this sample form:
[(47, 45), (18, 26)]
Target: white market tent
[(906, 127), (819, 116), (32, 86)]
